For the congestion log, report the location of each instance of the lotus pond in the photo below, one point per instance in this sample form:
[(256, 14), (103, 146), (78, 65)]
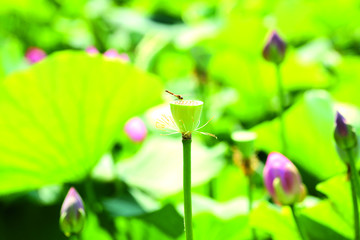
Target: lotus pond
[(160, 120)]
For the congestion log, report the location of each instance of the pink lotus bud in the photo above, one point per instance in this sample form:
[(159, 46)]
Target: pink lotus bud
[(72, 214), (136, 129), (92, 50), (282, 179), (274, 50), (34, 55)]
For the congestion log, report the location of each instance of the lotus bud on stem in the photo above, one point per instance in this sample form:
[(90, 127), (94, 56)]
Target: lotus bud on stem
[(72, 214), (283, 182), (348, 148), (274, 52)]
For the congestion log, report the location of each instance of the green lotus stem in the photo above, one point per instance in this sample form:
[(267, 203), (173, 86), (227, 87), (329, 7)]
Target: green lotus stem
[(281, 94), (187, 186), (353, 180), (74, 237), (91, 195), (250, 196), (301, 232), (353, 173)]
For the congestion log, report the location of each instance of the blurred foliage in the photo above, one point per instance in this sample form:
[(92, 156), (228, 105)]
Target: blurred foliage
[(62, 119)]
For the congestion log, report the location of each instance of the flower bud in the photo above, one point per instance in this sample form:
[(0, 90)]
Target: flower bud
[(345, 138), (92, 50), (274, 50), (344, 134), (186, 114), (34, 55), (282, 180), (136, 129), (72, 214)]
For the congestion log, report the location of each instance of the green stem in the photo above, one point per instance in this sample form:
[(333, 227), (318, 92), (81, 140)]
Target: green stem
[(105, 221), (211, 188), (74, 237), (281, 93), (301, 232), (354, 199), (187, 187), (91, 195), (353, 172), (250, 196)]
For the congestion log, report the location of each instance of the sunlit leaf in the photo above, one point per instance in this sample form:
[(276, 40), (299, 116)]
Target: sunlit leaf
[(309, 128), (276, 221), (328, 222), (59, 117)]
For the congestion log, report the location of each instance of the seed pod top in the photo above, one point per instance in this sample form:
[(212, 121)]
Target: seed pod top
[(274, 50), (282, 179), (245, 140), (186, 114), (72, 214)]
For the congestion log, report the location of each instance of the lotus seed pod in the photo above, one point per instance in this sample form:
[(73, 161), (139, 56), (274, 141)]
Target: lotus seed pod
[(72, 214), (186, 114), (245, 140)]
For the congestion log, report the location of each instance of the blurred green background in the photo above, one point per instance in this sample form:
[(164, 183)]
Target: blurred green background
[(62, 119)]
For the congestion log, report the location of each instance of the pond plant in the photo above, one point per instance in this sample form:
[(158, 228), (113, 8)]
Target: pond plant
[(72, 214), (274, 52), (283, 182), (82, 88), (348, 149), (185, 119)]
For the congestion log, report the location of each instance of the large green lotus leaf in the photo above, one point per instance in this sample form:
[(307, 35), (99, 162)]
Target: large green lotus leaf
[(157, 167), (348, 88), (276, 221), (309, 133), (338, 191), (208, 226), (60, 116), (308, 19), (138, 229), (231, 182), (279, 222), (219, 220), (328, 220), (223, 210), (93, 230), (37, 9), (295, 18)]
